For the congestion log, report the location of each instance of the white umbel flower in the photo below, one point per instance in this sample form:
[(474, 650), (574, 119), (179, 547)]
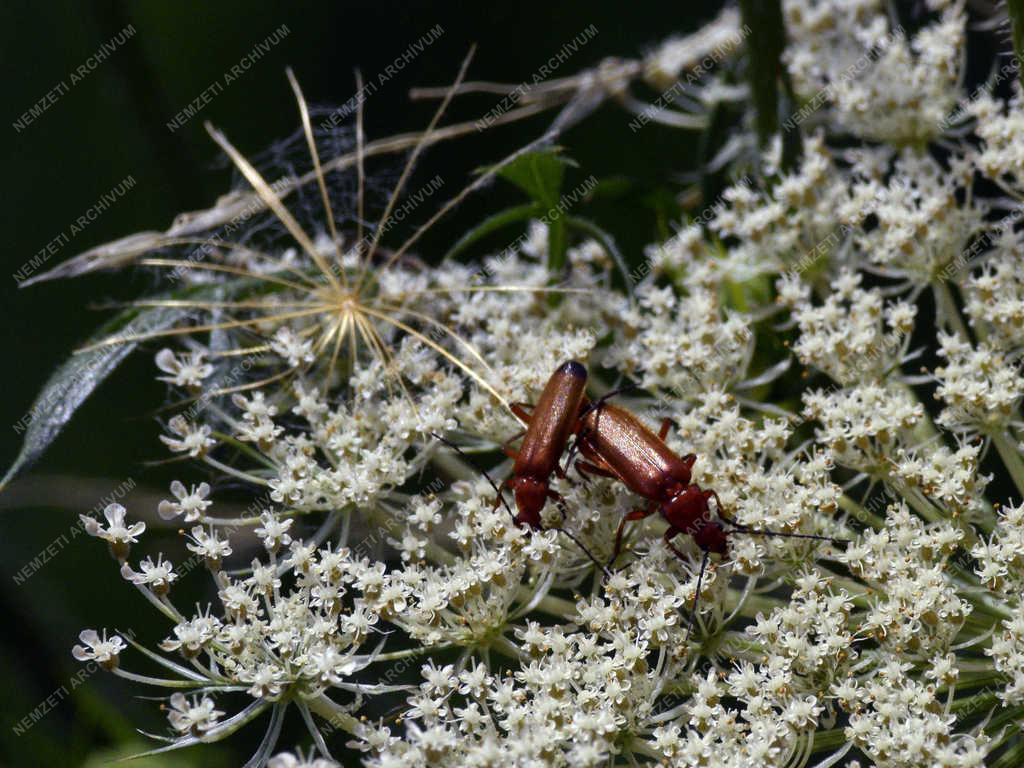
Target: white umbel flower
[(186, 370), (190, 504), (192, 439), (194, 715), (101, 649), (117, 533), (156, 576)]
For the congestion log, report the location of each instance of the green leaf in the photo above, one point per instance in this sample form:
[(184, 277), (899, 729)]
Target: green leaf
[(539, 174), (494, 223), (73, 382)]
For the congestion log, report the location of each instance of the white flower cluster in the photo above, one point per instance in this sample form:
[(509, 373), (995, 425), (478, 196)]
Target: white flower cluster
[(918, 610), (685, 343), (846, 378), (864, 425), (790, 227), (1001, 568), (980, 387), (881, 82), (898, 721), (995, 298), (853, 336), (998, 125), (920, 228)]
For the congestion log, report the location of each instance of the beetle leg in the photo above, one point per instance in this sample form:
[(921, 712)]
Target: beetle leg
[(581, 433), (591, 463), (585, 468), (666, 425), (670, 534), (519, 409), (509, 451), (718, 506), (500, 499), (636, 514)]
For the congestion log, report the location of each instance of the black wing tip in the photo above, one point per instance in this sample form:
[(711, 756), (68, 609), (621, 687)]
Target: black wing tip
[(573, 368)]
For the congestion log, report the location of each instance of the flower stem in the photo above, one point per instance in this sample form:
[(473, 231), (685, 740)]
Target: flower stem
[(245, 476), (557, 606), (946, 306), (862, 514), (1011, 459), (163, 683), (412, 652), (830, 738), (506, 647), (335, 715)]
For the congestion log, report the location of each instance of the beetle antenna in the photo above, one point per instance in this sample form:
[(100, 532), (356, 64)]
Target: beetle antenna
[(696, 595), (783, 534), (464, 455), (695, 377), (586, 551), (594, 405), (737, 528)]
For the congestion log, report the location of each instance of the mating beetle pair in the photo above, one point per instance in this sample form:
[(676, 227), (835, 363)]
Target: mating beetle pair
[(615, 444)]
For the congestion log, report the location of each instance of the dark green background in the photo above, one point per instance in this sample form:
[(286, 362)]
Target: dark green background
[(112, 124)]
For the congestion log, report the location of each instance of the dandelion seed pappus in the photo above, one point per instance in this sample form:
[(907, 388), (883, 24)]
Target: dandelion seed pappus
[(316, 315)]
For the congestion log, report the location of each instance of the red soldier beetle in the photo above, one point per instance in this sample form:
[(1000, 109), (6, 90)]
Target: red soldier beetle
[(616, 444), (549, 425)]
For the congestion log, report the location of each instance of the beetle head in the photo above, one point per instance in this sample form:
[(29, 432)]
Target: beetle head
[(530, 495)]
